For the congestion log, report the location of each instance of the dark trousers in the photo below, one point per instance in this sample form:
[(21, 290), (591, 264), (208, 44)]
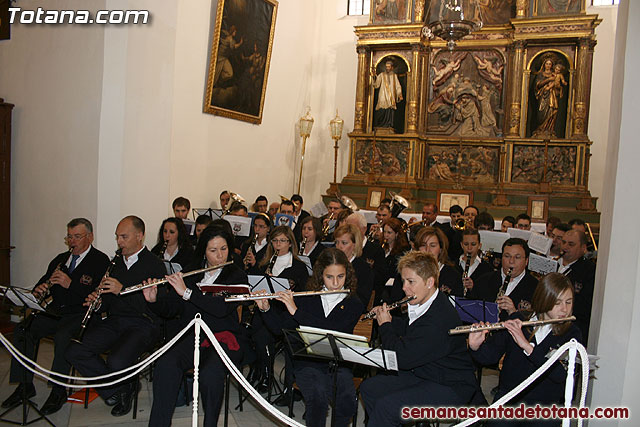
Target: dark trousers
[(384, 396), (125, 338), (26, 337), (316, 386), (169, 372)]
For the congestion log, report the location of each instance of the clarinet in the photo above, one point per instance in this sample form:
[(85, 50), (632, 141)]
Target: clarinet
[(163, 250), (302, 245), (503, 288), (250, 248), (45, 297), (467, 264), (95, 304), (272, 262)]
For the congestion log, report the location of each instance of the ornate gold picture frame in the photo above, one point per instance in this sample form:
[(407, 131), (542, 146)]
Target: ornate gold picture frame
[(448, 198), (240, 57)]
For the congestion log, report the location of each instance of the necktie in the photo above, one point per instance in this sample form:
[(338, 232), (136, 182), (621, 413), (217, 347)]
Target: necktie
[(72, 266)]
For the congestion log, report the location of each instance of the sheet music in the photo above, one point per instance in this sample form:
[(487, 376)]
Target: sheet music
[(376, 357), (283, 219), (260, 283), (540, 243), (190, 226), (336, 334), (24, 297), (521, 234), (541, 264), (172, 267), (493, 240), (307, 262), (370, 216), (241, 225), (318, 210), (408, 216)]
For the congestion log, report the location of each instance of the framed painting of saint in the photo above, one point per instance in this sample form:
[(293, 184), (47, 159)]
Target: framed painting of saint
[(240, 56)]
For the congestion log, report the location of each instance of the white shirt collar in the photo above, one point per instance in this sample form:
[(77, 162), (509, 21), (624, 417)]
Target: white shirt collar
[(168, 256), (415, 311), (80, 257), (259, 245), (541, 331), (211, 276), (282, 262), (308, 249), (474, 264), (132, 259), (514, 281), (330, 301), (563, 268)]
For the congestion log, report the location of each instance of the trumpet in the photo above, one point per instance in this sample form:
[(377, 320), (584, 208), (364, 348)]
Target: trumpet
[(467, 264), (45, 298), (372, 314), (327, 226), (467, 329), (462, 224), (142, 286), (95, 304), (249, 297), (372, 231), (503, 289)]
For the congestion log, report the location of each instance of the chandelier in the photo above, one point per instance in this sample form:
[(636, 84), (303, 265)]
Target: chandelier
[(451, 20)]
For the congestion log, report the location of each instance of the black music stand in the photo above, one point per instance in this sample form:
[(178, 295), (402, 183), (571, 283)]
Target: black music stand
[(24, 298), (337, 347), (473, 311)]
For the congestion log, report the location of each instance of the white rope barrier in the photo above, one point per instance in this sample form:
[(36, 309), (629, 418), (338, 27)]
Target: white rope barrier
[(572, 346), (198, 324)]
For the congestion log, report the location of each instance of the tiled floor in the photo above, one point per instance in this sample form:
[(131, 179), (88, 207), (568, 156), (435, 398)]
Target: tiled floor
[(98, 414)]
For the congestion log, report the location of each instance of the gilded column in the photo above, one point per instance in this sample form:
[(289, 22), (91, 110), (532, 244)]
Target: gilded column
[(521, 8), (419, 11), (412, 96), (361, 86), (516, 89), (582, 73)]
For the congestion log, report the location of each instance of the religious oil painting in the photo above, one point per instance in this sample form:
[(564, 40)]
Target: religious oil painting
[(240, 56), (548, 96), (389, 86), (466, 93), (387, 158), (535, 164), (490, 12), (390, 11), (558, 7), (475, 164)]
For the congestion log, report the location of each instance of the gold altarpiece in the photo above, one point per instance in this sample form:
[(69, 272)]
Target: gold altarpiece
[(503, 117)]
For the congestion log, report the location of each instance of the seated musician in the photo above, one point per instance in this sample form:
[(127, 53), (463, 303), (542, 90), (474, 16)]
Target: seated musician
[(273, 210), (523, 222), (185, 299), (435, 368), (348, 239), (557, 234), (261, 204), (453, 235), (254, 249), (433, 241), (178, 248), (507, 223), (311, 232), (181, 207), (395, 244), (130, 328), (477, 267), (280, 260), (225, 197), (525, 348), (298, 215), (69, 278), (382, 214), (551, 223), (581, 271), (334, 207), (201, 223), (512, 287), (372, 252), (484, 221), (339, 312)]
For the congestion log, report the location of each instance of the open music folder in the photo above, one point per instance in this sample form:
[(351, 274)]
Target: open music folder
[(338, 346), (268, 283)]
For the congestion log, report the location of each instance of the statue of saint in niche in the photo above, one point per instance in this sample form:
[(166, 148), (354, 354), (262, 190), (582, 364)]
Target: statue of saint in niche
[(549, 104), (388, 115)]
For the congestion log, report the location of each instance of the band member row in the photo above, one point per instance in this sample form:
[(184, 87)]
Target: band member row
[(525, 349), (185, 299), (435, 368), (173, 244), (130, 327), (338, 312), (70, 277)]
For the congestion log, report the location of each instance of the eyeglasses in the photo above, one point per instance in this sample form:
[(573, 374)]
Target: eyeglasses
[(280, 240), (76, 236)]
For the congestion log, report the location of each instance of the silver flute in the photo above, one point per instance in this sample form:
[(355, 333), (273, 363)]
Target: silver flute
[(372, 314), (467, 329), (142, 286), (249, 297)]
